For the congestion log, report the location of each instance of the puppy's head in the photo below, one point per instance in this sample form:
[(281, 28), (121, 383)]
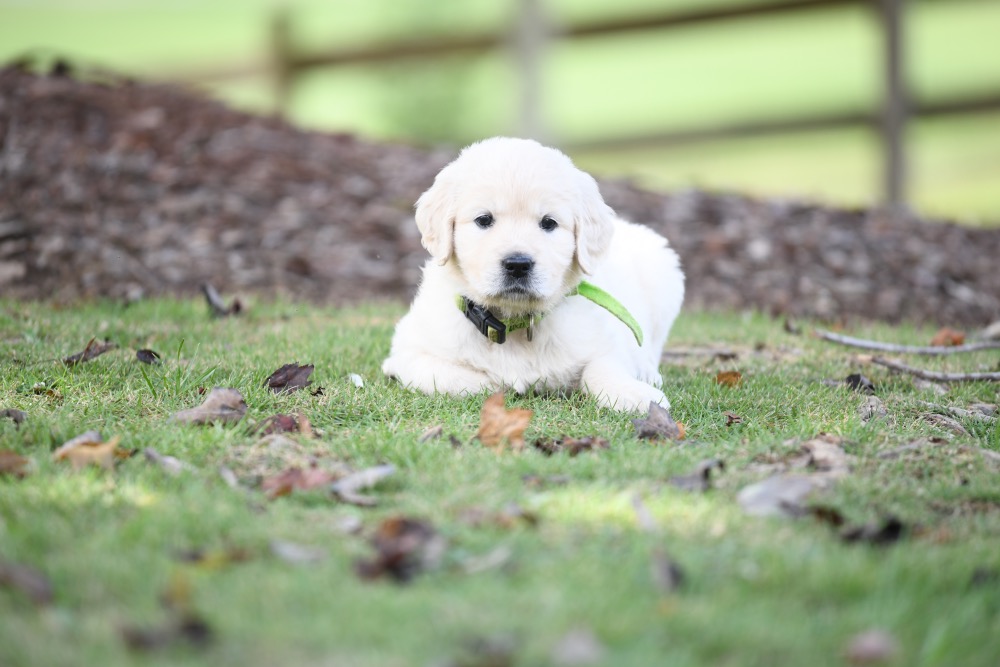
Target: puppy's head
[(517, 222)]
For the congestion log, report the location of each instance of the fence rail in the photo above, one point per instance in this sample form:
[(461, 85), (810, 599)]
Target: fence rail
[(531, 33)]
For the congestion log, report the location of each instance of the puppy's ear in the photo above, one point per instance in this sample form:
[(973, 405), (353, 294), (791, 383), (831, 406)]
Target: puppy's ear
[(435, 216), (594, 224)]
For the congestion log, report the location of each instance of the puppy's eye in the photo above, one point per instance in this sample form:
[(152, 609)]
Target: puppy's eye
[(485, 220), (548, 223)]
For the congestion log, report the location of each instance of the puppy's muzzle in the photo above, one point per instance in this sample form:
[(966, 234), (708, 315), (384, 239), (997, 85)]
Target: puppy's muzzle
[(517, 267)]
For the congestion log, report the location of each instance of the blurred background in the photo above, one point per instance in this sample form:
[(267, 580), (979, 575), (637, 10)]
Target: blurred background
[(847, 102)]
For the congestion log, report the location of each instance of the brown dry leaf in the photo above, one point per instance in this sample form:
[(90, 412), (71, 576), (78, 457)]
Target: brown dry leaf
[(701, 479), (732, 418), (282, 423), (498, 424), (147, 357), (346, 488), (404, 547), (93, 350), (571, 446), (222, 405), (729, 378), (220, 309), (26, 579), (187, 628), (18, 416), (658, 424), (89, 449), (12, 463), (948, 337), (296, 479), (289, 378)]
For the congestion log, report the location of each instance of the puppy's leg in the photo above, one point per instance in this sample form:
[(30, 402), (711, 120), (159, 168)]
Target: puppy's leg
[(431, 374), (615, 388)]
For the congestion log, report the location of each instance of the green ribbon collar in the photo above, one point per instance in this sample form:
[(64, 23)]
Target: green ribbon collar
[(496, 329)]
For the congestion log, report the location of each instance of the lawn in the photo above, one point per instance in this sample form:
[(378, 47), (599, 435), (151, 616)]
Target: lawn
[(535, 558)]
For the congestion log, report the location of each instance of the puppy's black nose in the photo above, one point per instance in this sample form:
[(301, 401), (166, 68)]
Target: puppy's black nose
[(518, 266)]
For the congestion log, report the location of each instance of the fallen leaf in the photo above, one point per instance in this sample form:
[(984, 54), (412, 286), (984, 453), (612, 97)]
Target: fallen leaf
[(12, 463), (93, 350), (222, 405), (579, 646), (732, 418), (203, 559), (498, 651), (346, 488), (859, 383), (492, 560), (147, 357), (879, 533), (947, 337), (871, 647), (432, 433), (86, 449), (872, 408), (289, 378), (282, 423), (404, 547), (781, 495), (571, 446), (701, 479), (25, 579), (220, 309), (667, 574), (296, 479), (186, 629), (658, 424), (18, 416), (297, 554), (826, 455), (498, 424), (729, 378), (944, 422), (169, 464)]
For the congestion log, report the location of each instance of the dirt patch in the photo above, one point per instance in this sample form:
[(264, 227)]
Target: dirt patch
[(115, 188)]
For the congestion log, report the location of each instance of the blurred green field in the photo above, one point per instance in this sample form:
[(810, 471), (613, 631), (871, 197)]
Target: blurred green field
[(806, 62)]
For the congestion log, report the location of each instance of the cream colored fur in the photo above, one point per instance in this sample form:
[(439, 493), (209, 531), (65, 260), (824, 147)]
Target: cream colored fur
[(576, 344)]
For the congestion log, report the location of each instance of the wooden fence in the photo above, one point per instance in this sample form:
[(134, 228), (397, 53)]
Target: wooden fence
[(530, 34)]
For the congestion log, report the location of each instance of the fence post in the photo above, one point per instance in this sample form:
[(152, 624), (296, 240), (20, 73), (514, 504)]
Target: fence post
[(281, 60), (895, 103), (529, 44)]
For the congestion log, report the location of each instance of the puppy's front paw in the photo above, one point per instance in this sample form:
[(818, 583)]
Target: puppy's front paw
[(635, 397)]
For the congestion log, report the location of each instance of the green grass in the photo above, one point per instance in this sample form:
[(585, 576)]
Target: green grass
[(757, 591)]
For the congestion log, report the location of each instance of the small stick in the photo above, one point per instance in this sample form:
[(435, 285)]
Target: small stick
[(905, 349), (935, 375)]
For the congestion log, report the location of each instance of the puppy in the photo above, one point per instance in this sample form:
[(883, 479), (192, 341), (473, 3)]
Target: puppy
[(535, 284)]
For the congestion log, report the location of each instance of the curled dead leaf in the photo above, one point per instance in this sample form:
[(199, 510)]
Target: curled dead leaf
[(404, 547), (729, 378), (498, 425), (88, 449), (948, 337), (17, 416), (701, 479), (12, 463), (93, 350), (658, 425), (289, 378), (571, 446), (222, 405), (296, 479)]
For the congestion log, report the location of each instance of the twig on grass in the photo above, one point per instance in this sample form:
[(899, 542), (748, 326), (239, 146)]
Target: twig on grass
[(931, 350), (935, 376)]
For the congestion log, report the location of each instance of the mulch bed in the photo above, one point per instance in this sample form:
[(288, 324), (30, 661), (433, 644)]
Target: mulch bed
[(121, 189)]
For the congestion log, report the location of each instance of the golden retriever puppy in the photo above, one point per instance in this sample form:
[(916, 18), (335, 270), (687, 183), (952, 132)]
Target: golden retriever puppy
[(534, 284)]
